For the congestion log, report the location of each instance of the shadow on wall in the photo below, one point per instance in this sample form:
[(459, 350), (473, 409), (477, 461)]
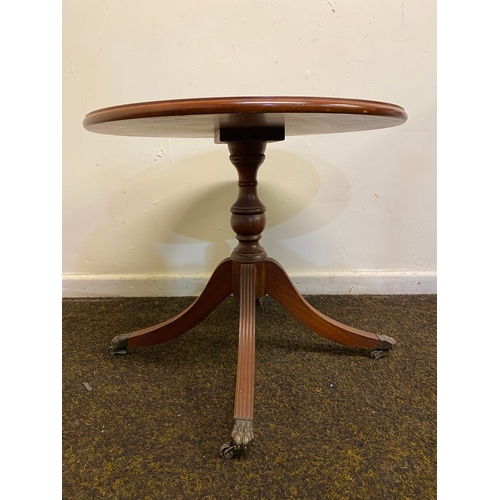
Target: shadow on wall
[(166, 206)]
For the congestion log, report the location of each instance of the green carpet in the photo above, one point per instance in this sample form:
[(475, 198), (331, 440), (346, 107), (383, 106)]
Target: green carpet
[(329, 421)]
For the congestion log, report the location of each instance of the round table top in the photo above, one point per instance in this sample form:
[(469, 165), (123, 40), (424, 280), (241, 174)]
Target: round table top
[(202, 117)]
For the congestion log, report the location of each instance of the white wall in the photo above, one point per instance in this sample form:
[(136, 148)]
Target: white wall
[(347, 213)]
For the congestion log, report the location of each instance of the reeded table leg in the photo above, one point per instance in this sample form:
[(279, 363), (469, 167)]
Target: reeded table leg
[(242, 436)]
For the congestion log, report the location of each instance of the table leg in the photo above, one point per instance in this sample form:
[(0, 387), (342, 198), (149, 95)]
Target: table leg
[(242, 435), (217, 289), (280, 287)]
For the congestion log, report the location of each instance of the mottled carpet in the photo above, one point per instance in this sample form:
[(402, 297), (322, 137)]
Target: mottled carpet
[(329, 421)]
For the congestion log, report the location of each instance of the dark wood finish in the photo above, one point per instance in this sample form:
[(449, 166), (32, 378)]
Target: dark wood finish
[(268, 278), (246, 124), (260, 285), (280, 287), (242, 435), (248, 218), (204, 117), (244, 399), (217, 289)]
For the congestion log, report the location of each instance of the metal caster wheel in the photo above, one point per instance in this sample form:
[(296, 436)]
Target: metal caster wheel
[(379, 353), (385, 344), (227, 451), (118, 344)]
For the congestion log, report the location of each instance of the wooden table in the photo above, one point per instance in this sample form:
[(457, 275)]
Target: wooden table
[(246, 125)]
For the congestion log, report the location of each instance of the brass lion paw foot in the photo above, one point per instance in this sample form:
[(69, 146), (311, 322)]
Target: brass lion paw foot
[(241, 439)]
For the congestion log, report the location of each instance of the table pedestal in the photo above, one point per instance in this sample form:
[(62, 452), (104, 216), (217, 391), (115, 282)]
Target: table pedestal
[(250, 275)]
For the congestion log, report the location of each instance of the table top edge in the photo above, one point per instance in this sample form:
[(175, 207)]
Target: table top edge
[(248, 104)]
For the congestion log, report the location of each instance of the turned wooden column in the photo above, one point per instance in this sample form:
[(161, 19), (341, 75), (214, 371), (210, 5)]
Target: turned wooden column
[(248, 218)]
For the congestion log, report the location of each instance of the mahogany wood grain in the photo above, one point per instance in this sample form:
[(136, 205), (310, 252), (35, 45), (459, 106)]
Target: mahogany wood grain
[(217, 289), (203, 117), (246, 124), (244, 396), (260, 285), (280, 287), (248, 218)]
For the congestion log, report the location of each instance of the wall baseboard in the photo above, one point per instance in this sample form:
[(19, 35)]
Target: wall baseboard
[(308, 283)]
